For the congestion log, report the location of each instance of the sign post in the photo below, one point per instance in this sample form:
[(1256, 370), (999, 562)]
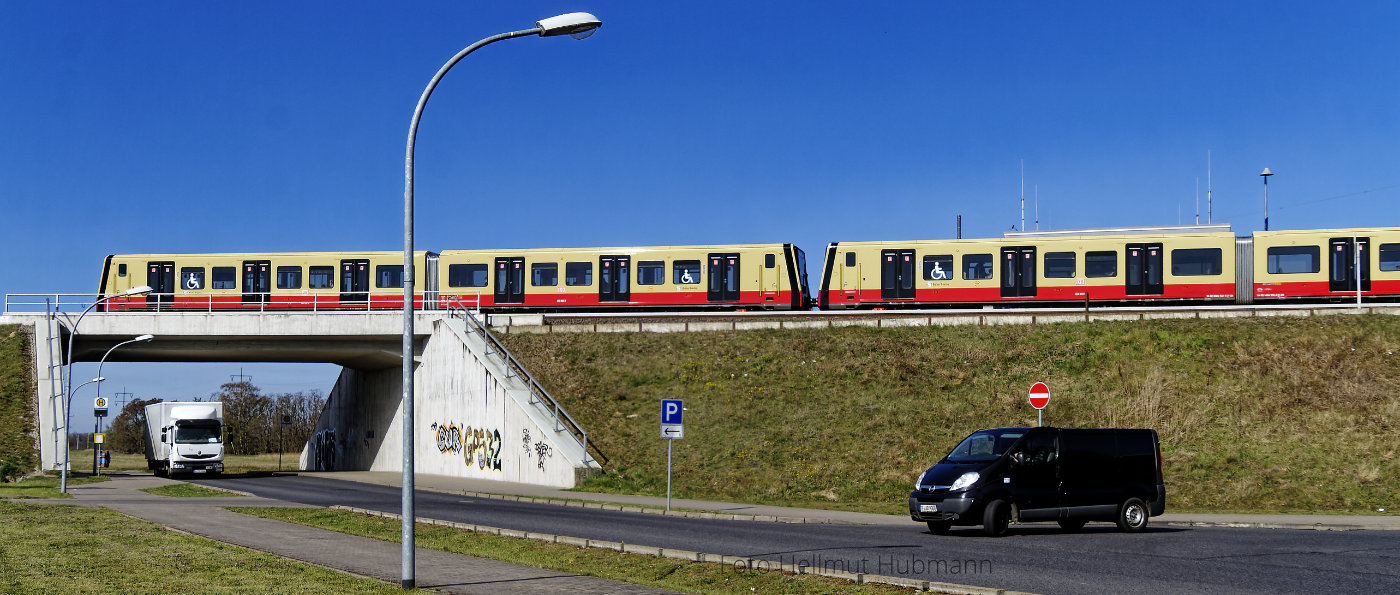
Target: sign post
[(99, 411), (672, 429), (1040, 397)]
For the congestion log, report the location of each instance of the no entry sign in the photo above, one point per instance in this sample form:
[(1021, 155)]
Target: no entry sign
[(1040, 395)]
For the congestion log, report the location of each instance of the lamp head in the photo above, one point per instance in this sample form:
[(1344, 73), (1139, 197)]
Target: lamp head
[(1266, 173), (575, 24), (144, 338), (98, 379), (138, 290)]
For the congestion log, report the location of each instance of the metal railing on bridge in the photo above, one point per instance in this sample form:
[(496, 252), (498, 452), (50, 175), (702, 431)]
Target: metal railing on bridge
[(563, 422)]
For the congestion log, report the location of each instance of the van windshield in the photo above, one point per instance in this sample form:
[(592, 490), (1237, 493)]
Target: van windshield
[(984, 446)]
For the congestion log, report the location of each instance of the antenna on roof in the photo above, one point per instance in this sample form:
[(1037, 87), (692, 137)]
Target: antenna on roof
[(1198, 200), (1023, 195), (1208, 205), (1037, 207)]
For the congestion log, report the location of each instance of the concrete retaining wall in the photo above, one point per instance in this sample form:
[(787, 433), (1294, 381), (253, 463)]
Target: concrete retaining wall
[(471, 419)]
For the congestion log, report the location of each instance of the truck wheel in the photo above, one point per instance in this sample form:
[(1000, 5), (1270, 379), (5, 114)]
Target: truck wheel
[(996, 518), (1132, 516), (939, 527), (1071, 525)]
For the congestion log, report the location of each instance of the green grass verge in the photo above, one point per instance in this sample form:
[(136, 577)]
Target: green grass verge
[(44, 486), (74, 549), (1268, 413), (233, 464), (666, 573), (189, 490)]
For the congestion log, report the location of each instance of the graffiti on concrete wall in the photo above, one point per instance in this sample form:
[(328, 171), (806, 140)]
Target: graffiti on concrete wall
[(322, 446), (480, 447), (541, 449)]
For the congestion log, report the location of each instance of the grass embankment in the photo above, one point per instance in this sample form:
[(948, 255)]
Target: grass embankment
[(652, 571), (18, 452), (233, 464), (75, 549), (1261, 414)]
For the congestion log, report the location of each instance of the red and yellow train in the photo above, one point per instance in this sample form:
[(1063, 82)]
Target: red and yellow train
[(749, 276), (1186, 264)]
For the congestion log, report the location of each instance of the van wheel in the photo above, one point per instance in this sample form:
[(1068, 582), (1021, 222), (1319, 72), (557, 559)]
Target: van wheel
[(1071, 525), (1132, 517), (939, 527), (996, 518)]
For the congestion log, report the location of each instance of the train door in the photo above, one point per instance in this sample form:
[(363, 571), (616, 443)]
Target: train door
[(1144, 268), (770, 277), (1018, 273), (724, 278), (510, 280), (613, 277), (897, 274), (257, 281), (161, 277), (1342, 270), (354, 280)]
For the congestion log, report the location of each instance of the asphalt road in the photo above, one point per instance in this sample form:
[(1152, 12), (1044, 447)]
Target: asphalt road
[(1035, 558)]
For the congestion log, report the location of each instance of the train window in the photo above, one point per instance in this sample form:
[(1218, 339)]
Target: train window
[(121, 270), (544, 274), (1060, 265), (770, 261), (977, 266), (388, 275), (578, 273), (191, 278), (850, 259), (225, 277), (1390, 257), (938, 267), (1196, 261), (1284, 260), (685, 272), (321, 278), (651, 272), (466, 275), (1101, 264), (288, 277)]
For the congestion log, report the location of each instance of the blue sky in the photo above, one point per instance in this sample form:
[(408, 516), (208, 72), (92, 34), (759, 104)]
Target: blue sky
[(280, 126)]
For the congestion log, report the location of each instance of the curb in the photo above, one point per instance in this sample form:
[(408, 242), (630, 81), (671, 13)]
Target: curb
[(736, 562), (658, 511), (1301, 526)]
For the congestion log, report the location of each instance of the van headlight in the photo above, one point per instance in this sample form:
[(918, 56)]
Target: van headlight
[(919, 485), (964, 481)]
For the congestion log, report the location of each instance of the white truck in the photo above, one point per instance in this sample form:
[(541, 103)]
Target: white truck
[(185, 437)]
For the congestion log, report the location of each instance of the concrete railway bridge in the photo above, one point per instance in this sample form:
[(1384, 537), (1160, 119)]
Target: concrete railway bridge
[(475, 404)]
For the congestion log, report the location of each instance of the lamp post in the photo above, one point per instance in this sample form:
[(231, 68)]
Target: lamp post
[(68, 373), (576, 24), (1265, 174), (100, 362)]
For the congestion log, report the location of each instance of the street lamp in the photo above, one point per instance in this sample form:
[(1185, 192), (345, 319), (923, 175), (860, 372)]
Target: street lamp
[(1265, 174), (575, 24), (100, 362), (68, 373)]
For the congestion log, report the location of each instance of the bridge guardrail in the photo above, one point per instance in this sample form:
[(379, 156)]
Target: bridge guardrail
[(563, 422)]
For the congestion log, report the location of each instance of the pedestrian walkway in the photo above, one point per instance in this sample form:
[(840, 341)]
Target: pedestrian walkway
[(444, 572), (489, 488)]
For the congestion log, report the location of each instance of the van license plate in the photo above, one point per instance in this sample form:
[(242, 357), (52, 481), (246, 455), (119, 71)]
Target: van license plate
[(928, 508), (200, 470)]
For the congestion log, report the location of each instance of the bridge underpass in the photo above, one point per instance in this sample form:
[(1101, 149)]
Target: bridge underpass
[(471, 398)]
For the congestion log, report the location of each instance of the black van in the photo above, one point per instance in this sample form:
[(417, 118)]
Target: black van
[(1069, 475)]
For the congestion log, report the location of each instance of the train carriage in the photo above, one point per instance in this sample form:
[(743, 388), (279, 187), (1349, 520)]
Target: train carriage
[(1326, 264), (1039, 268), (263, 281), (750, 276)]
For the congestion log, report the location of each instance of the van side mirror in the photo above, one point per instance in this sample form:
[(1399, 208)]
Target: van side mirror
[(162, 436)]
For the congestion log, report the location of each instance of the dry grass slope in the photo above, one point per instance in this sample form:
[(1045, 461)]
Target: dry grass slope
[(1254, 414)]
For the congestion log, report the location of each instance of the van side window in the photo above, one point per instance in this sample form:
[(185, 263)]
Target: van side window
[(1041, 448)]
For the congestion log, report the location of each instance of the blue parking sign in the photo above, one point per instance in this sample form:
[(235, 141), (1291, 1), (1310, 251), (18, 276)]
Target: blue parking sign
[(672, 411)]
